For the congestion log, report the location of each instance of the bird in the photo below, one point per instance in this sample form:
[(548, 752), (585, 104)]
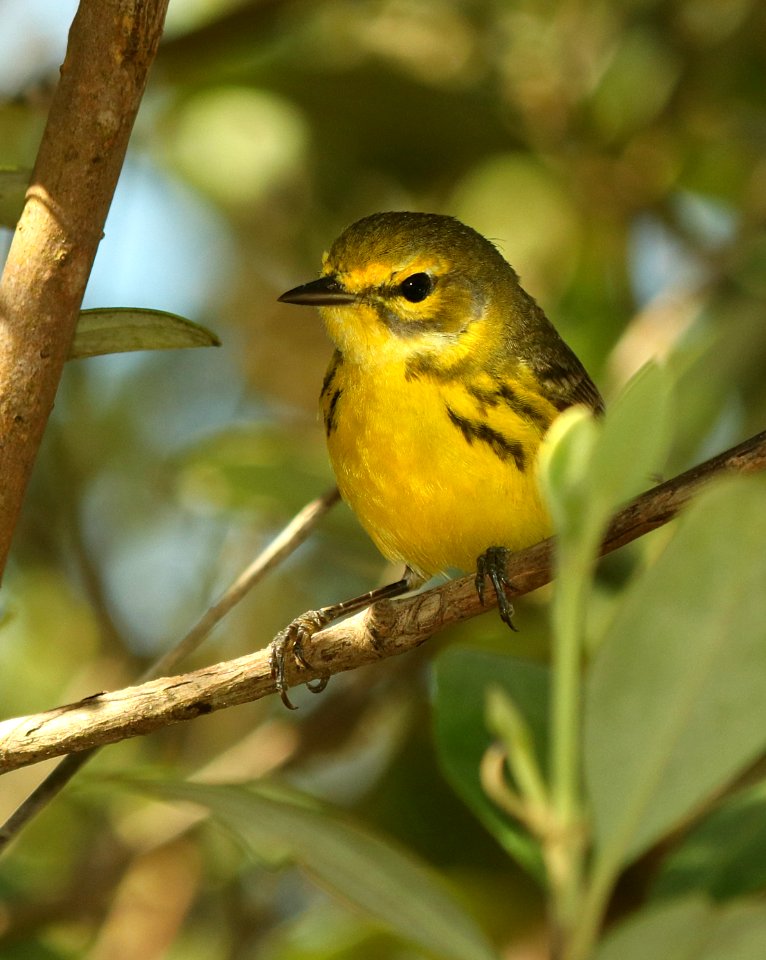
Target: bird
[(445, 377)]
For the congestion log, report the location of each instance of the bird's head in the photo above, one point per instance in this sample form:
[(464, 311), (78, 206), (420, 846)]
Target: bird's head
[(397, 284)]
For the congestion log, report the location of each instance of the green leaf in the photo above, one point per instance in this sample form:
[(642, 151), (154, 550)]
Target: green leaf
[(634, 441), (724, 856), (564, 463), (589, 468), (390, 886), (463, 677), (690, 930), (676, 697), (123, 329), (13, 188)]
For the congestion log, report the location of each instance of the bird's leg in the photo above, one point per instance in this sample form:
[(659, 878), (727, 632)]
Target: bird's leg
[(492, 564), (292, 638)]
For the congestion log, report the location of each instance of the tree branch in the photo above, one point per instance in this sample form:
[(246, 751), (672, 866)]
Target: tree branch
[(285, 543), (384, 630), (111, 47)]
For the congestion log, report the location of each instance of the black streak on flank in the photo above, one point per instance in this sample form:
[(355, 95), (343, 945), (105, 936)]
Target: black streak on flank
[(337, 359), (523, 408), (485, 398), (501, 446), (508, 396), (329, 417), (427, 365)]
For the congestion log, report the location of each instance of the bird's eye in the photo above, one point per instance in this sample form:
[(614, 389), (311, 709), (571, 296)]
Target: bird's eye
[(416, 287)]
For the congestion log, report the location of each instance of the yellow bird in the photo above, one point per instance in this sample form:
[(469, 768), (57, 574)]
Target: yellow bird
[(445, 377)]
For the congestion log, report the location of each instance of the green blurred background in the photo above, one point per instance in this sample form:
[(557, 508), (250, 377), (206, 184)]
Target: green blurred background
[(613, 150)]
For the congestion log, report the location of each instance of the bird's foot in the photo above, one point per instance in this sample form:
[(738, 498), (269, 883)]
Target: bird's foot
[(289, 642), (491, 564)]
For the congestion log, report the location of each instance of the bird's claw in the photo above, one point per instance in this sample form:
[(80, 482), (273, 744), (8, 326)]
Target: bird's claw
[(491, 564), (290, 641)]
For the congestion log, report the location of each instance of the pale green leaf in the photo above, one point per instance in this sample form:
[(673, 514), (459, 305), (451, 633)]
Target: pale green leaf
[(123, 329), (676, 697), (635, 439), (690, 930), (391, 886), (588, 468), (564, 464)]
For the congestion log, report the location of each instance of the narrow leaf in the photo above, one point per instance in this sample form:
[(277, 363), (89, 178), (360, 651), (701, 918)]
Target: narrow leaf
[(676, 698), (390, 886), (124, 329)]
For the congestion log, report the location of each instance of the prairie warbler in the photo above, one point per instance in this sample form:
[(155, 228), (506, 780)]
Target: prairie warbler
[(445, 377)]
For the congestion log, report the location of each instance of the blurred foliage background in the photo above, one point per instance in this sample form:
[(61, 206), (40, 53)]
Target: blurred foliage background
[(614, 151)]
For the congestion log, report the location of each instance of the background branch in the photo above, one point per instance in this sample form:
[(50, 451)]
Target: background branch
[(284, 544), (110, 49), (385, 630)]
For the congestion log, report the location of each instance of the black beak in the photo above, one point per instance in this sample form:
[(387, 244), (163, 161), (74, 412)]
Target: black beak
[(318, 293)]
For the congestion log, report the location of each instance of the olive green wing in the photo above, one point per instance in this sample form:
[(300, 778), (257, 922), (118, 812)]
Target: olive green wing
[(564, 381), (561, 378)]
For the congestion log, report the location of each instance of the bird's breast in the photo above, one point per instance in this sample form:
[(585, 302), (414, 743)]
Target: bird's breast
[(435, 471)]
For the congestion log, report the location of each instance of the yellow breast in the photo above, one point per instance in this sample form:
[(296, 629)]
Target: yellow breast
[(437, 470)]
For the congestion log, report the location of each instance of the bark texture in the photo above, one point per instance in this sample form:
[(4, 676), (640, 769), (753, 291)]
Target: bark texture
[(110, 50)]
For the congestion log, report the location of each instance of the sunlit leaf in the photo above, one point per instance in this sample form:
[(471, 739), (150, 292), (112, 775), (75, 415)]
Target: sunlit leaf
[(676, 698), (124, 329)]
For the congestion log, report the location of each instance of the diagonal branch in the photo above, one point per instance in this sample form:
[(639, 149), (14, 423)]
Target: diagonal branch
[(284, 544), (111, 48), (385, 630)]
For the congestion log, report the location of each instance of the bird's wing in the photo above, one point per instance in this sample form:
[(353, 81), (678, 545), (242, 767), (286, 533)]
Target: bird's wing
[(564, 381)]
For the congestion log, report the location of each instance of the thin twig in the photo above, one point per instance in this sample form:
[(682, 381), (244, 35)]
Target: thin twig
[(384, 630), (280, 547), (284, 544)]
